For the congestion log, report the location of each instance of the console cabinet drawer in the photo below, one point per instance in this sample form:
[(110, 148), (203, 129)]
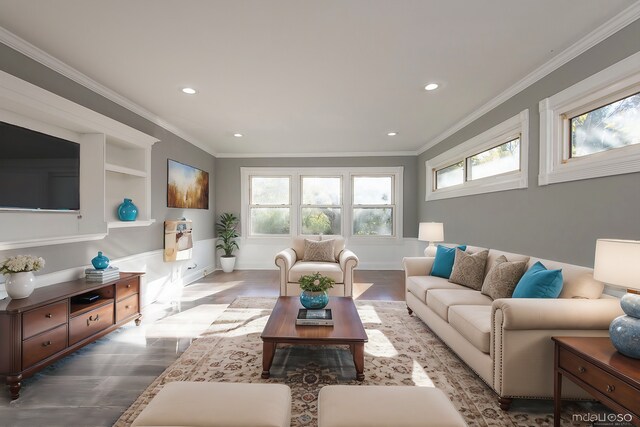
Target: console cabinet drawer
[(127, 307), (44, 318), (601, 380), (89, 323), (44, 345), (126, 289)]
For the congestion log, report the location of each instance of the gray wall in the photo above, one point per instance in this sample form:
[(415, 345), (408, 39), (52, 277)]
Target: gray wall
[(228, 179), (558, 221), (126, 241)]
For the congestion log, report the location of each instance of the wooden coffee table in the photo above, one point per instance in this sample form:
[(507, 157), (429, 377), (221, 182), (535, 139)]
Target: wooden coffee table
[(347, 330)]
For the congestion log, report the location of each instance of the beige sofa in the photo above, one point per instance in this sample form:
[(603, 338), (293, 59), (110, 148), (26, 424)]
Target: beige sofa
[(292, 267), (507, 342)]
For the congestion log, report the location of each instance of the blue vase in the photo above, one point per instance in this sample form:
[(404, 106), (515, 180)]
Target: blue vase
[(127, 211), (314, 300), (100, 262), (624, 331)]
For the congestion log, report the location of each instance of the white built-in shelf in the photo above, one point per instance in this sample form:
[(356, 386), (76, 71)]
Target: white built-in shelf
[(137, 223), (110, 167)]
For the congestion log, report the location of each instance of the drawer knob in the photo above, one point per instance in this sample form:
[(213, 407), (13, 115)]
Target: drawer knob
[(46, 344), (128, 286), (48, 315), (127, 307), (582, 369), (611, 388), (92, 319)]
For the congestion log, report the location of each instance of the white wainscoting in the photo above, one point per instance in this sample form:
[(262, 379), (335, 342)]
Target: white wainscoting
[(374, 254), (163, 281)]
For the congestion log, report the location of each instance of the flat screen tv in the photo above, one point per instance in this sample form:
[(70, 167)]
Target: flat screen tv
[(38, 171)]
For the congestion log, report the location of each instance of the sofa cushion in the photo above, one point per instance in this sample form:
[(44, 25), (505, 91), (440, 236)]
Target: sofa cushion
[(321, 251), (419, 285), (538, 282), (474, 323), (582, 286), (468, 269), (329, 269), (503, 278), (338, 243), (443, 264), (439, 300)]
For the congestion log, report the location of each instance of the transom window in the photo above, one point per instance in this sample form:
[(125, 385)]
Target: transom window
[(355, 201), (611, 126), (495, 160)]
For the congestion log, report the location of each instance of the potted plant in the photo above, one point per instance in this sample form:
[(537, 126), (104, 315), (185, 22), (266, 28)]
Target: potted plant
[(314, 290), (227, 235), (20, 281)]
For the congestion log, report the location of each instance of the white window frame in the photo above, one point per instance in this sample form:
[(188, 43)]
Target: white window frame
[(613, 83), (346, 174), (394, 206), (250, 206), (515, 127), (341, 205)]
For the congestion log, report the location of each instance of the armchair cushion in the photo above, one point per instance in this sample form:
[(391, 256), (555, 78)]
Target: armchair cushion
[(319, 251), (298, 244), (329, 269)]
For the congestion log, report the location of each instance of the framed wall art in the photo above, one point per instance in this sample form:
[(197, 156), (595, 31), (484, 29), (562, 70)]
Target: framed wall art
[(187, 186)]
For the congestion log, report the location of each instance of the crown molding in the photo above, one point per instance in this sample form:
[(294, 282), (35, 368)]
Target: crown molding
[(596, 36), (38, 55), (316, 155)]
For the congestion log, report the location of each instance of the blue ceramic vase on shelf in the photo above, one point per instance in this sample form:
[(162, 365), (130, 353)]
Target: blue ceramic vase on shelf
[(127, 211), (100, 262)]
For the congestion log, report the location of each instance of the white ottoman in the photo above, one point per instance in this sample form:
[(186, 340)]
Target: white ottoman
[(384, 406), (218, 404)]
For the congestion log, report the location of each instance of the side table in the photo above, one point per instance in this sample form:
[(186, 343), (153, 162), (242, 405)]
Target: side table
[(596, 366)]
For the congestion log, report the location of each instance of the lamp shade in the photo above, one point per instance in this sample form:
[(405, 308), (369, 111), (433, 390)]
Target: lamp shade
[(617, 262), (431, 232)]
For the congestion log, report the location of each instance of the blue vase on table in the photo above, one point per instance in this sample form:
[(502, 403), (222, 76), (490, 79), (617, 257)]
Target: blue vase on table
[(100, 262), (314, 300), (127, 211)]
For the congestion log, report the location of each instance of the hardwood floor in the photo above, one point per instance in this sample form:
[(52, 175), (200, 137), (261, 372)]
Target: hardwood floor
[(95, 385)]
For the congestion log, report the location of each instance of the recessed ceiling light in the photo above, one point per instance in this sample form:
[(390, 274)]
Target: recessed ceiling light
[(189, 90), (238, 135), (392, 133), (431, 86)]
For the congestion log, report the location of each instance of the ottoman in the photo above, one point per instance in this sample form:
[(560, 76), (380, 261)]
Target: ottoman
[(384, 406), (218, 404)]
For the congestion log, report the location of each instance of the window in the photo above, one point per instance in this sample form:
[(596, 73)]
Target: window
[(270, 205), (356, 202), (321, 211), (495, 160), (592, 129), (373, 205)]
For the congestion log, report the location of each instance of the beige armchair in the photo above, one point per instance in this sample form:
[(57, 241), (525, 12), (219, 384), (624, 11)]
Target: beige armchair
[(292, 267)]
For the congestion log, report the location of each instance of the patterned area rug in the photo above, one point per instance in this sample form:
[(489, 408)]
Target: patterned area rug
[(401, 351)]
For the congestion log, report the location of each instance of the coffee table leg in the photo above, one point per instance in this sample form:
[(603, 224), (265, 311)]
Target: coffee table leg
[(358, 359), (268, 351)]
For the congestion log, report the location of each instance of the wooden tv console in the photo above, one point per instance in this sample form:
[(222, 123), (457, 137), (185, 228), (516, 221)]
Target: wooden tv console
[(41, 329)]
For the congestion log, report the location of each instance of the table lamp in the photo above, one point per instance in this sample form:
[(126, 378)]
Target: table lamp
[(431, 232), (617, 262)]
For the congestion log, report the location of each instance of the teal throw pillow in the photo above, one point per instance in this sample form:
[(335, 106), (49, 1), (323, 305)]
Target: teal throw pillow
[(538, 282), (443, 264)]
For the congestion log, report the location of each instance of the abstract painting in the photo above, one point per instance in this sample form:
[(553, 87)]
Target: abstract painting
[(187, 187)]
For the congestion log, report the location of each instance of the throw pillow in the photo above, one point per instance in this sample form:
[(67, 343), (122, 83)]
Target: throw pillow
[(321, 251), (538, 282), (468, 269), (503, 278), (443, 263)]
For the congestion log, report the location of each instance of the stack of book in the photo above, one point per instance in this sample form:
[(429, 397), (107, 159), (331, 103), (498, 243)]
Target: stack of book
[(314, 317), (102, 276)]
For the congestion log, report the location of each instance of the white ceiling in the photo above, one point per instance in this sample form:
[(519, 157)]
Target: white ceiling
[(302, 76)]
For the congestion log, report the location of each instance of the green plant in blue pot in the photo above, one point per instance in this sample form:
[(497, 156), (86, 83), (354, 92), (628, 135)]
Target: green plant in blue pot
[(100, 262), (314, 287)]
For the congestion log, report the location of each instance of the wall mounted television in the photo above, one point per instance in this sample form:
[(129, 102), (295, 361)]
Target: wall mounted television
[(38, 171)]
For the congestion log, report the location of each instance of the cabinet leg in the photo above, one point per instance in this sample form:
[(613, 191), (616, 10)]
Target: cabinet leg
[(15, 383), (138, 321), (505, 403), (410, 311)]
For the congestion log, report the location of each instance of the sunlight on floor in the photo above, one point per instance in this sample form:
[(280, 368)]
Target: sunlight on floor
[(368, 315), (238, 325), (379, 345), (198, 290), (186, 324), (360, 288), (420, 377)]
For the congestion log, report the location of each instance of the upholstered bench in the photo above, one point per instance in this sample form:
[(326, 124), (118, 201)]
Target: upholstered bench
[(383, 406), (202, 404)]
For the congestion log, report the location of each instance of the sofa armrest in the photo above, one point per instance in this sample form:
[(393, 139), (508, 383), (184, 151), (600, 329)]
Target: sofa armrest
[(348, 262), (285, 260), (533, 313), (417, 266)]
